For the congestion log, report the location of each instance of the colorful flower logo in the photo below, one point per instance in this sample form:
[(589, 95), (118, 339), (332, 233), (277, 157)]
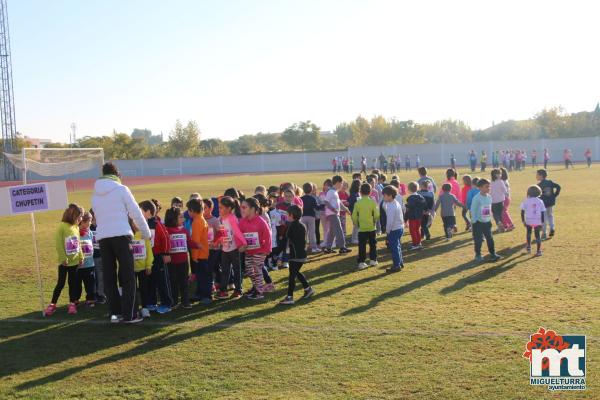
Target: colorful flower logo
[(545, 339)]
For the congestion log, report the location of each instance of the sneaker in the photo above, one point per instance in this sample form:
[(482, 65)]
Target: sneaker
[(478, 258), (72, 309), (528, 250), (285, 265), (236, 295), (372, 263), (393, 269), (187, 306), (206, 301), (362, 266), (327, 250), (538, 253), (222, 295), (309, 292), (163, 309), (90, 303), (231, 286), (145, 313), (134, 321), (551, 232), (51, 309), (288, 300), (255, 296), (101, 300), (544, 237), (416, 246), (345, 250), (269, 287), (315, 250), (115, 319), (152, 307), (494, 257)]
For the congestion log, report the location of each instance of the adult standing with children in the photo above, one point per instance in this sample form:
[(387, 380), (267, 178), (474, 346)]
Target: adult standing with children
[(113, 204)]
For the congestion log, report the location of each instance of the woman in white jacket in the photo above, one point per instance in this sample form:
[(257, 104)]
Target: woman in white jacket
[(113, 203)]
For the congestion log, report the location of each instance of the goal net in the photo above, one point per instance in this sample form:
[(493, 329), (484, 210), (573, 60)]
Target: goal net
[(71, 163)]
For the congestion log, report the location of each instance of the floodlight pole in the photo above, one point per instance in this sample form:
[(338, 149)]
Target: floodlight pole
[(34, 239)]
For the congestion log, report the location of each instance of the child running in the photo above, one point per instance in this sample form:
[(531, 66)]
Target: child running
[(481, 220), (70, 256), (532, 215), (447, 201), (415, 204), (365, 216), (258, 245), (550, 191), (296, 236)]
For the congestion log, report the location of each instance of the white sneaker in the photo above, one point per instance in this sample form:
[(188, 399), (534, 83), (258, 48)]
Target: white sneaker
[(316, 250), (285, 265), (362, 266), (373, 263), (115, 319), (417, 247), (145, 313)]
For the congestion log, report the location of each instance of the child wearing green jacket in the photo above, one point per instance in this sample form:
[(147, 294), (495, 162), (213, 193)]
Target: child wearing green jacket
[(143, 258), (365, 216), (70, 256)]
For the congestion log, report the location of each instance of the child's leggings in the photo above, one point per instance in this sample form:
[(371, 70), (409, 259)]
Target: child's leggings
[(179, 282), (536, 230), (549, 218), (64, 273), (254, 266), (86, 277), (295, 273), (231, 265), (506, 220), (414, 225), (143, 287)]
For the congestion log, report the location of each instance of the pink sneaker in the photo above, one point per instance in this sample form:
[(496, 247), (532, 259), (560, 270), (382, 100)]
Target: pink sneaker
[(51, 309), (72, 309)]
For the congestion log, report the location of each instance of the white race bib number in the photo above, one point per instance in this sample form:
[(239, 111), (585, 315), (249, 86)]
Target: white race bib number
[(71, 245), (486, 213), (211, 234), (252, 240), (139, 250), (178, 243), (87, 247)]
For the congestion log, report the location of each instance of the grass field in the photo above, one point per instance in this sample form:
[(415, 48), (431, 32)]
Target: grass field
[(445, 327)]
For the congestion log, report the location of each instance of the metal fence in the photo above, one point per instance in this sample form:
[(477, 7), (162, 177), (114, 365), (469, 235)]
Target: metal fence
[(432, 155)]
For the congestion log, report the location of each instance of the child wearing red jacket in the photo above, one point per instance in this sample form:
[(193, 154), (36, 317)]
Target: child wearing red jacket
[(464, 191), (180, 242), (161, 248), (258, 244)]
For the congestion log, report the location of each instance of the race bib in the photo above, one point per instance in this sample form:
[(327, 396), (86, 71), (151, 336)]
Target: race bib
[(87, 247), (486, 213), (252, 240), (152, 235), (284, 216), (211, 235), (139, 249), (71, 245), (178, 243), (95, 243)]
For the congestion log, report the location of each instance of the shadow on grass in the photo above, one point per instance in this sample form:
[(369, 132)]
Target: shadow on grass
[(59, 340), (409, 287)]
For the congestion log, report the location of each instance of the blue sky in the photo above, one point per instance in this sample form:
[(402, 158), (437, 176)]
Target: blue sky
[(240, 67)]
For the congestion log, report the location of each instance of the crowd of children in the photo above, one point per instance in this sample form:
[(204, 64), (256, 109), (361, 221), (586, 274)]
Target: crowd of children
[(221, 240)]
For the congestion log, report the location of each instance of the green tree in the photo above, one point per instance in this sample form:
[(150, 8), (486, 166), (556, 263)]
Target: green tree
[(214, 147), (302, 135), (184, 141)]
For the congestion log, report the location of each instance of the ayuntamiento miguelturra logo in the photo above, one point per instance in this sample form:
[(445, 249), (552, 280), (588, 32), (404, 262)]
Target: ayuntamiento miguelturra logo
[(556, 361)]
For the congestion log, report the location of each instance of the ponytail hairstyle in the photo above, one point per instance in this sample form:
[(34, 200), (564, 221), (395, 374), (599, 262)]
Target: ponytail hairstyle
[(254, 204), (232, 204), (172, 217), (355, 187), (263, 201), (495, 174), (504, 174)]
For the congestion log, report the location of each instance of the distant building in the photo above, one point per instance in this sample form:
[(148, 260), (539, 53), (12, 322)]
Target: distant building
[(38, 143)]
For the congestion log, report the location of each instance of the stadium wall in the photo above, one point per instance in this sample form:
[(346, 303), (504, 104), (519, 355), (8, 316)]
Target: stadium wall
[(433, 155)]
